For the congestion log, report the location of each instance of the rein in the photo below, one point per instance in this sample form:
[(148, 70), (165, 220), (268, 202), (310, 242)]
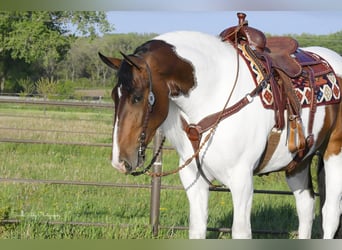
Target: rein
[(153, 160)]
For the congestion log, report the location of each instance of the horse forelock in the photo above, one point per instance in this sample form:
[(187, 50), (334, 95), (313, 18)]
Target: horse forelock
[(125, 76)]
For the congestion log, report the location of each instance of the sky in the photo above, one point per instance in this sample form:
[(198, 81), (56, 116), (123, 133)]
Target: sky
[(174, 5), (213, 22), (276, 17)]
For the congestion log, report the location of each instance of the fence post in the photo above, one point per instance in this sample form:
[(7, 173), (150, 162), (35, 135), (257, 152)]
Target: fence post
[(155, 186)]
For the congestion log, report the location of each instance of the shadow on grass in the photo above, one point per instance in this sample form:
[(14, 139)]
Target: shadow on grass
[(269, 223)]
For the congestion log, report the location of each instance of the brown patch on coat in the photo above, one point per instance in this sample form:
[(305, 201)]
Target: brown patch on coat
[(335, 142)]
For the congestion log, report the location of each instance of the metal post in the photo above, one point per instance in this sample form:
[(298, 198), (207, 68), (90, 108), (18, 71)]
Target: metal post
[(156, 184)]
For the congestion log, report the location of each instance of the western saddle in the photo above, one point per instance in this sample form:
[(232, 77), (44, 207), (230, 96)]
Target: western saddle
[(279, 59)]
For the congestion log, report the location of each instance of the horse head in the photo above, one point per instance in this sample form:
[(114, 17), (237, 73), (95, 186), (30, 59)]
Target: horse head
[(146, 79)]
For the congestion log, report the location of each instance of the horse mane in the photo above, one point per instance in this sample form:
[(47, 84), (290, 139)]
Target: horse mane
[(143, 48), (149, 46)]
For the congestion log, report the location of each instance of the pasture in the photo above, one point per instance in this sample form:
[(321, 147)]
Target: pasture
[(70, 211)]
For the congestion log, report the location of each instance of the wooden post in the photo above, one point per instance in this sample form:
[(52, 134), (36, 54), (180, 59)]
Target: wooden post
[(156, 184)]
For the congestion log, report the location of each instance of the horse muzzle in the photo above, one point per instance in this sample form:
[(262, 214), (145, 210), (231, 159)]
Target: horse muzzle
[(127, 164), (120, 167), (123, 167)]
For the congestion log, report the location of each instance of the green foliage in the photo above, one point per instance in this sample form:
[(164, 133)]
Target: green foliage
[(65, 89), (89, 23), (4, 213), (331, 41), (34, 36), (27, 86), (84, 83), (83, 62), (64, 45), (42, 39), (46, 87)]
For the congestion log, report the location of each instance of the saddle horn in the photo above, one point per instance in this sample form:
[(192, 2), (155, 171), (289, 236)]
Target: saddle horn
[(130, 61)]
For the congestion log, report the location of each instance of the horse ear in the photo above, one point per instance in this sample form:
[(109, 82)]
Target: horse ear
[(111, 62), (130, 61)]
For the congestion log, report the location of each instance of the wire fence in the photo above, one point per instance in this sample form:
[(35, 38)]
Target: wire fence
[(155, 186), (35, 101)]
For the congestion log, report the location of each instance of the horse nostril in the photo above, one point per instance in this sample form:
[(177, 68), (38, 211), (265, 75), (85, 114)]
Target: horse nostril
[(128, 167)]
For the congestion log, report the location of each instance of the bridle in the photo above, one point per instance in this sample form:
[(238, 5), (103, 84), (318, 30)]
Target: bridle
[(142, 138)]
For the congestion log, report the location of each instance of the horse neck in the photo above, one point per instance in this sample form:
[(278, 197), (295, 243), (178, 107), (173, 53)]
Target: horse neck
[(214, 86), (172, 128)]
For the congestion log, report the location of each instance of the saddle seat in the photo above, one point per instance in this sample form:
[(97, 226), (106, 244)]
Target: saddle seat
[(281, 51)]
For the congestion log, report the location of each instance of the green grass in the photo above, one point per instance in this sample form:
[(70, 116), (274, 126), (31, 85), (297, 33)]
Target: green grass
[(123, 211)]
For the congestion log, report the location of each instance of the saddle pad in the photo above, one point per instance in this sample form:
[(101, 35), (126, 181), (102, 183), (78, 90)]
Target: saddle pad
[(327, 88)]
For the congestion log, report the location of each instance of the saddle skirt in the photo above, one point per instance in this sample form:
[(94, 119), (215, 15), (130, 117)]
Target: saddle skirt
[(326, 86)]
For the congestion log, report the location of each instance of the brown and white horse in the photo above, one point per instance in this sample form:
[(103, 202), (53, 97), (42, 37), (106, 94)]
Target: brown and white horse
[(192, 75)]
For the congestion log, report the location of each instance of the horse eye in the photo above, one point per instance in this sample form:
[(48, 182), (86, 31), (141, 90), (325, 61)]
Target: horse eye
[(137, 98)]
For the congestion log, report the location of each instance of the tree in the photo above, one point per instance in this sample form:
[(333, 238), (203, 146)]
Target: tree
[(331, 41), (83, 61), (43, 38)]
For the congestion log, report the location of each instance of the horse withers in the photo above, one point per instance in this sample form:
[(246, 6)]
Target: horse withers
[(185, 77)]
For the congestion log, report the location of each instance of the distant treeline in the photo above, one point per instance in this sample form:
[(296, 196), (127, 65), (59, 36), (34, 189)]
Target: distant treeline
[(332, 41), (38, 49)]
